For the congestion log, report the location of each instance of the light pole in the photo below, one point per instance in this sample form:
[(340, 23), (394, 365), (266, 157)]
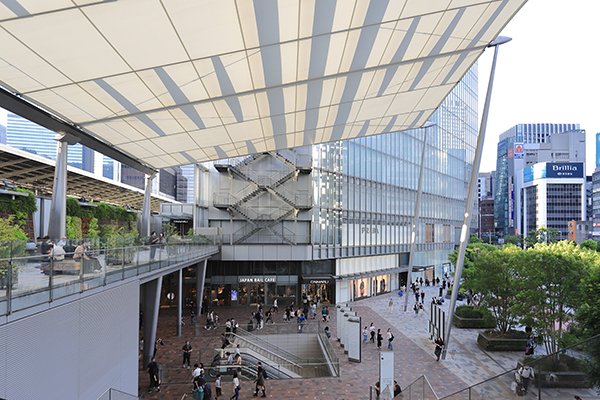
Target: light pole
[(464, 234), (413, 237)]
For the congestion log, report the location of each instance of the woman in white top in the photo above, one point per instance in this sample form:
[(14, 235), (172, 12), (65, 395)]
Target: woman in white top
[(390, 338), (236, 387)]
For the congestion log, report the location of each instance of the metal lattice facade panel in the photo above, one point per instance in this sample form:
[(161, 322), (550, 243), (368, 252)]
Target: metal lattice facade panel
[(83, 348)]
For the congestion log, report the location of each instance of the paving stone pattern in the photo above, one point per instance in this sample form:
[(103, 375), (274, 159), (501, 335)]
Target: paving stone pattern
[(466, 364)]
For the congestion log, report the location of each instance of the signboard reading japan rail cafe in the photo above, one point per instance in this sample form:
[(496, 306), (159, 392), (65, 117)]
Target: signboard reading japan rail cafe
[(256, 279)]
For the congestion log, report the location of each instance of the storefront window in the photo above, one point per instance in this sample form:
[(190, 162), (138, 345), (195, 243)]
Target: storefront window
[(286, 294), (360, 288), (318, 286), (220, 295), (381, 284)]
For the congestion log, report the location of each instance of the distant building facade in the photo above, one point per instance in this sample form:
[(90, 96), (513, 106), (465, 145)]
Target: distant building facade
[(540, 178)]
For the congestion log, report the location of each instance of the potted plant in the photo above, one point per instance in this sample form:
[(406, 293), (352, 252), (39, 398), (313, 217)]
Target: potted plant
[(120, 245), (12, 245)]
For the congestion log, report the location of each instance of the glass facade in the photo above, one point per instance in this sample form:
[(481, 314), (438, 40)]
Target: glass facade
[(28, 136), (365, 188), (354, 235), (563, 204)]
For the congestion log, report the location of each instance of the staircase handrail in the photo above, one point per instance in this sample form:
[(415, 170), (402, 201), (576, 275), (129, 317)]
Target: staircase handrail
[(272, 369), (293, 356)]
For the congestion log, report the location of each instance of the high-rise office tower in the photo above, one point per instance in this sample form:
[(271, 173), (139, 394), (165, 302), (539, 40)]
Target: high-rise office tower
[(540, 178), (26, 135)]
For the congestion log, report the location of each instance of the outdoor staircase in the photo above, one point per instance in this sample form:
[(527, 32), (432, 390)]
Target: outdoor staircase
[(263, 182), (287, 362)]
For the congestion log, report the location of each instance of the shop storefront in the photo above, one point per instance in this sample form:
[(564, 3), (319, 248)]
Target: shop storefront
[(252, 290), (370, 286), (321, 286)]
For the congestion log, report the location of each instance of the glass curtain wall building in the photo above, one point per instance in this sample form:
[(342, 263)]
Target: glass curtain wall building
[(28, 136), (354, 238)]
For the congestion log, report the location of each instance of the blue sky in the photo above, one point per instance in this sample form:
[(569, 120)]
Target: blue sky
[(547, 73)]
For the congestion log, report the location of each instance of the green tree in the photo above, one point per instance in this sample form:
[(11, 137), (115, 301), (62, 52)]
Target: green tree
[(550, 276), (474, 239), (513, 239), (588, 244), (471, 252), (588, 318), (542, 235), (491, 277)]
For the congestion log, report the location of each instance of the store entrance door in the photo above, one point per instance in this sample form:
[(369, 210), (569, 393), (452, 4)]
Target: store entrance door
[(257, 293)]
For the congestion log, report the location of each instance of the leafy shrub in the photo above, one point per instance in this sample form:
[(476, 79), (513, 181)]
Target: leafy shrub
[(465, 311)]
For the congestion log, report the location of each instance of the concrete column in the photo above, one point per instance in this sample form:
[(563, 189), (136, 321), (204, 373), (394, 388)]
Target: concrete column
[(195, 218), (58, 209), (200, 279), (151, 307), (179, 294), (145, 227)]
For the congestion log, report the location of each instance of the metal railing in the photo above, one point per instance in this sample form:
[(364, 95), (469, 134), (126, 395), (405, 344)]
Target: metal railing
[(558, 375), (265, 346), (29, 278), (114, 394)]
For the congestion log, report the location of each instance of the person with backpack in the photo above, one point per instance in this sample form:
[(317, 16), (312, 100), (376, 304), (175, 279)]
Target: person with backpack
[(526, 373), (224, 341), (390, 338)]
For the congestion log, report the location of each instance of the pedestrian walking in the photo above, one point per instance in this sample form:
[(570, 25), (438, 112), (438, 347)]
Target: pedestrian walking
[(365, 334), (224, 341), (391, 305), (439, 346), (372, 332), (153, 372), (379, 338), (236, 387), (301, 322), (187, 352), (218, 388), (526, 373), (260, 381), (390, 338), (275, 306), (416, 309), (423, 297)]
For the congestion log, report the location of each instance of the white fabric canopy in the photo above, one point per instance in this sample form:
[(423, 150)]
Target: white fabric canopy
[(174, 82)]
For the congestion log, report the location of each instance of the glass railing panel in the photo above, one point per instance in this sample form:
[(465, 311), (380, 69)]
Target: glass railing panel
[(29, 278), (28, 283), (65, 285)]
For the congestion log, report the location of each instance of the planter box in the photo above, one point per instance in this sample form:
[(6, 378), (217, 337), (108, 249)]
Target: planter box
[(549, 379), (500, 344), (470, 323)]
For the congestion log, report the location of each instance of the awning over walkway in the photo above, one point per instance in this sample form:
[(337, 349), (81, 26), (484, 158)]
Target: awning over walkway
[(36, 173), (172, 82)]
